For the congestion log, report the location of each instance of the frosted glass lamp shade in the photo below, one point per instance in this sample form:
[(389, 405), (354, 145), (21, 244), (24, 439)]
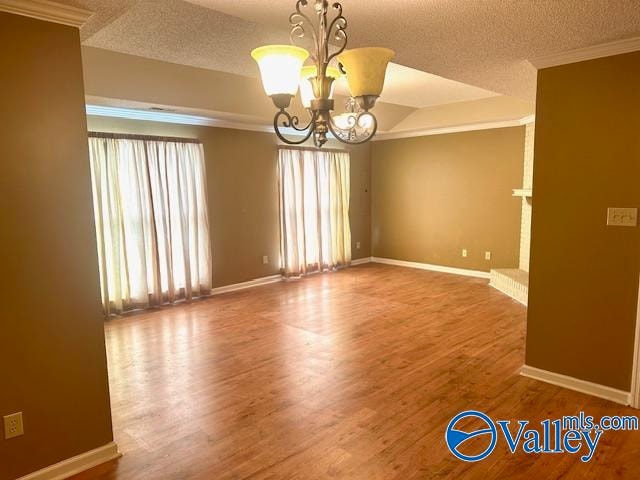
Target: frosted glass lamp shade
[(280, 67), (306, 89), (366, 68)]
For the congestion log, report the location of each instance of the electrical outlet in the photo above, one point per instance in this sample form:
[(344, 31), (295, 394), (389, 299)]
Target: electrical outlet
[(464, 252), (487, 255), (13, 425), (265, 260), (357, 245)]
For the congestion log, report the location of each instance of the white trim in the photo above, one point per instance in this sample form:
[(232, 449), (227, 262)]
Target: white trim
[(170, 117), (528, 119), (47, 11), (434, 268), (74, 465), (467, 127), (522, 192), (249, 284), (361, 261), (576, 384), (587, 53), (272, 279), (501, 281), (635, 380), (183, 119)]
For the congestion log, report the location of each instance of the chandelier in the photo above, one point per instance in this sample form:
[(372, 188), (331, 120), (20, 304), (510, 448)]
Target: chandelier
[(283, 73)]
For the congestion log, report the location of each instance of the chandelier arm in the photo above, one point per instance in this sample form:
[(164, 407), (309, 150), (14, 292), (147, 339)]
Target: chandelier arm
[(326, 35), (351, 123), (292, 122), (339, 24), (339, 132), (299, 21)]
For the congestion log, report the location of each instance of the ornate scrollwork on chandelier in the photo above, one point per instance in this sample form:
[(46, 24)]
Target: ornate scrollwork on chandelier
[(327, 40)]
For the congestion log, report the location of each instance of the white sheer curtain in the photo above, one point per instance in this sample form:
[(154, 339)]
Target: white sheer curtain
[(314, 210), (152, 226)]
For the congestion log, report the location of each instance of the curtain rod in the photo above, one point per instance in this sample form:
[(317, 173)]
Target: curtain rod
[(128, 136), (310, 149)]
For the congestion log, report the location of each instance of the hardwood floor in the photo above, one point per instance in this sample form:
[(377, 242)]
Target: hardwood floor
[(350, 375)]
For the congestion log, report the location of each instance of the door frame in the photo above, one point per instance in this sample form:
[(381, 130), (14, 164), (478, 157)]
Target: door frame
[(634, 396)]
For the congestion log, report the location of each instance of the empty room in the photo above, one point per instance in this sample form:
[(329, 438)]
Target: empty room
[(307, 240)]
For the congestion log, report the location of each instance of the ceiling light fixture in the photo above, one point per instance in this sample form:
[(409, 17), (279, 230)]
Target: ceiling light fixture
[(283, 72)]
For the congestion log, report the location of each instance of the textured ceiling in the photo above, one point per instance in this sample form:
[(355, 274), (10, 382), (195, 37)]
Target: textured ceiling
[(481, 43), (414, 88), (175, 31)]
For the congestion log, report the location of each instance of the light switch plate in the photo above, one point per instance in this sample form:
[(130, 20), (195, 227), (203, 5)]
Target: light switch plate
[(13, 425), (622, 217)]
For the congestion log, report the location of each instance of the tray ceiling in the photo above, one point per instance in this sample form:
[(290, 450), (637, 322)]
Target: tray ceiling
[(480, 43)]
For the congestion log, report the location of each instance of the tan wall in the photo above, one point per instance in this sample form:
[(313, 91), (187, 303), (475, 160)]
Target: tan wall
[(584, 275), (113, 78), (112, 74), (433, 196), (243, 195), (485, 110), (52, 358)]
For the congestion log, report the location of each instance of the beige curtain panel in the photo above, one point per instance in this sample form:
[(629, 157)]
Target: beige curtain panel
[(314, 210), (152, 225)]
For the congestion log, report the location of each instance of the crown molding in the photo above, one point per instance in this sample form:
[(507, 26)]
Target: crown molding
[(47, 11), (528, 119), (467, 127), (587, 53), (185, 119), (182, 119), (170, 117)]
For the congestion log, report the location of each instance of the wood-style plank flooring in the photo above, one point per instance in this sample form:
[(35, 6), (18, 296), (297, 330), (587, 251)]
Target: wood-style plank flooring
[(350, 375)]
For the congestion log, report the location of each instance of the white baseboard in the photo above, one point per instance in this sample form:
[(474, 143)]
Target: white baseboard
[(360, 261), (267, 280), (506, 282), (576, 384), (401, 263), (434, 268), (249, 284), (74, 465), (521, 299)]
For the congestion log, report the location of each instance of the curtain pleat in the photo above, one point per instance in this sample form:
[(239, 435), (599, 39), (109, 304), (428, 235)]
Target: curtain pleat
[(152, 225), (314, 210)]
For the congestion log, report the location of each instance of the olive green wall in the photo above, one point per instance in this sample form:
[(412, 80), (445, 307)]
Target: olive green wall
[(584, 275), (243, 195), (52, 358), (433, 196)]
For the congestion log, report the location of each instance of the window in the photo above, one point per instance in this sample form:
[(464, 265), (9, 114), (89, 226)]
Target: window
[(314, 210), (152, 225)]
